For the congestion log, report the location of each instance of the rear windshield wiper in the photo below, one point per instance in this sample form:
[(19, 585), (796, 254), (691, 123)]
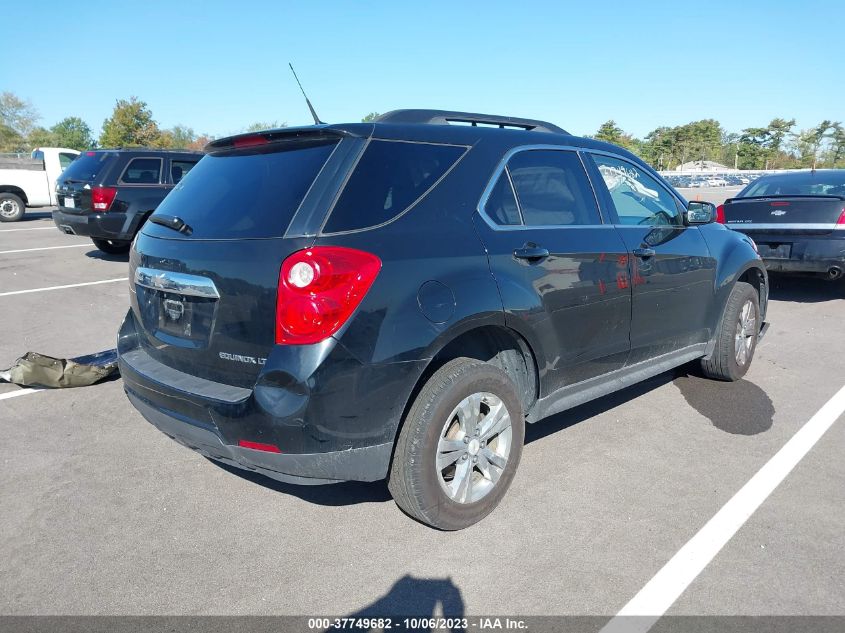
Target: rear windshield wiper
[(172, 222)]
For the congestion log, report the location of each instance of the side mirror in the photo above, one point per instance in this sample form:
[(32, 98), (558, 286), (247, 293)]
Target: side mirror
[(700, 212)]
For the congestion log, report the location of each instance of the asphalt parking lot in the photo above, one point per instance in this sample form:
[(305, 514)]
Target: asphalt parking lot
[(102, 514)]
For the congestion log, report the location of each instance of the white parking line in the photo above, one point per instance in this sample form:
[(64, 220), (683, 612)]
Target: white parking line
[(36, 228), (661, 592), (19, 392), (43, 248), (87, 283)]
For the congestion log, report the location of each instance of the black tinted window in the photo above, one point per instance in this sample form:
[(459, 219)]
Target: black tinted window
[(142, 171), (179, 169), (87, 166), (552, 189), (244, 195), (501, 205), (389, 178)]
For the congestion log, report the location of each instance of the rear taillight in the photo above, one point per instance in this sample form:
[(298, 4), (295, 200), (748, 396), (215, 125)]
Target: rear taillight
[(319, 289), (720, 214), (102, 198), (841, 219)]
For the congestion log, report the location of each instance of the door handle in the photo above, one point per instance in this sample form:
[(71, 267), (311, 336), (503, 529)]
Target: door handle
[(644, 252), (531, 253)]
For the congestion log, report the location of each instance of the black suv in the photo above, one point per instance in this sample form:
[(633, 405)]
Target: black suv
[(396, 299), (109, 194)]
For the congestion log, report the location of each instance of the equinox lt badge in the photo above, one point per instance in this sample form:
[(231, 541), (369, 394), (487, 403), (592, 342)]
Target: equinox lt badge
[(252, 360)]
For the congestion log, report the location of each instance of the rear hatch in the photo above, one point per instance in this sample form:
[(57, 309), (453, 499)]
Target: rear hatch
[(204, 297), (73, 188), (785, 215)]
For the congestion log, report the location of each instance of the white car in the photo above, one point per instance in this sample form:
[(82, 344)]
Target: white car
[(717, 182), (31, 182)]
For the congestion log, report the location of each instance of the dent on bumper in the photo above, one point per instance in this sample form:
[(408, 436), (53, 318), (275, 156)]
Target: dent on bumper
[(359, 464)]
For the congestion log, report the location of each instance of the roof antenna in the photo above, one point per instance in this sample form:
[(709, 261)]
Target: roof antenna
[(317, 120)]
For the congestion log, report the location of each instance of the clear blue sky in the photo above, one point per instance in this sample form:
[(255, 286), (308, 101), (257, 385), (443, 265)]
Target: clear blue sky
[(219, 66)]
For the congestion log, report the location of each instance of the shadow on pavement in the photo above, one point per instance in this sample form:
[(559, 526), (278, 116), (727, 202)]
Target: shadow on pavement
[(345, 493), (740, 408), (34, 215), (804, 288), (416, 598), (106, 257)]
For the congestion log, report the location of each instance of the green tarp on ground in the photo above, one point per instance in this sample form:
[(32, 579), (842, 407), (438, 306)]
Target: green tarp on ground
[(37, 370)]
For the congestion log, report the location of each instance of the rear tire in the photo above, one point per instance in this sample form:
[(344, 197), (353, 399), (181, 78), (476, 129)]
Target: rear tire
[(737, 335), (460, 445), (113, 247), (12, 207)]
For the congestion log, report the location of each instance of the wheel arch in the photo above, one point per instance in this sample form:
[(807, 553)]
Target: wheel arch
[(20, 193), (497, 344), (753, 273)]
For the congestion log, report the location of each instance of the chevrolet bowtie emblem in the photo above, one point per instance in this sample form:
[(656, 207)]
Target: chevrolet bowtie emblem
[(175, 309)]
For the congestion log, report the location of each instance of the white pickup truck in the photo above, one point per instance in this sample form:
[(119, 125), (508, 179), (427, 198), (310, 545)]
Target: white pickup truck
[(31, 182)]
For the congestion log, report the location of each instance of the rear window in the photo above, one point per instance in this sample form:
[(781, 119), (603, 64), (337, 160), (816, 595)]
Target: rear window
[(87, 166), (390, 178), (817, 183), (246, 194)]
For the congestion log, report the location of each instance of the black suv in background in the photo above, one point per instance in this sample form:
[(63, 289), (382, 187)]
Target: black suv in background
[(396, 299), (108, 194)]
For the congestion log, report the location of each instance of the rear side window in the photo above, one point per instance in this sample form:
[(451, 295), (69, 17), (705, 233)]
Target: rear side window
[(552, 189), (390, 178), (246, 194), (179, 169), (142, 171), (87, 166)]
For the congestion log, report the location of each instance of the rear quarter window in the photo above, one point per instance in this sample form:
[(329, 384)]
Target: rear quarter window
[(389, 179), (179, 169)]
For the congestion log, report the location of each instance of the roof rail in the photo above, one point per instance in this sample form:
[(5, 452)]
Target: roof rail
[(445, 117)]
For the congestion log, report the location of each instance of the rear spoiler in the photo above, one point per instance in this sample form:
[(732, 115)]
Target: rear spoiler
[(305, 135)]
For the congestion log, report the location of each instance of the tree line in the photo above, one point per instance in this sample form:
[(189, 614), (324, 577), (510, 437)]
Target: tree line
[(776, 146), (131, 124)]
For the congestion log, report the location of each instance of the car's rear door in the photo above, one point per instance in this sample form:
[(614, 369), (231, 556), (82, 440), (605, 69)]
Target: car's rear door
[(672, 271), (561, 271)]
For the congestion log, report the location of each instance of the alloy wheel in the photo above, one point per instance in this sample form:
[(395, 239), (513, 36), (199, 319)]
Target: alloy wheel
[(474, 447)]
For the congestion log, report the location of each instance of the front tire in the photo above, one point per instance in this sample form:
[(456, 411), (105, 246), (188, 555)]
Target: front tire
[(113, 247), (12, 207), (460, 445), (737, 335)]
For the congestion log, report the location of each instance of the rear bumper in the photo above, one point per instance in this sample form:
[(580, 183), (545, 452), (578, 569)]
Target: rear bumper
[(807, 253), (360, 464), (107, 226), (332, 418)]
